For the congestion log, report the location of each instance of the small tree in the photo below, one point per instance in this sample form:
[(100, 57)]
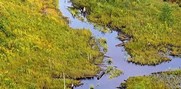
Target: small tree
[(166, 14)]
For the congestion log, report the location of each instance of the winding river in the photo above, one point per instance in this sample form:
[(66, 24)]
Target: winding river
[(118, 55)]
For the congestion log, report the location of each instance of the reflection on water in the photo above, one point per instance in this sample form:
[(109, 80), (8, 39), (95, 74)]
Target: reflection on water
[(118, 55)]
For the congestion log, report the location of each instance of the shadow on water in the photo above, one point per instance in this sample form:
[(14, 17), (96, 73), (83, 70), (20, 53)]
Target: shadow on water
[(118, 54)]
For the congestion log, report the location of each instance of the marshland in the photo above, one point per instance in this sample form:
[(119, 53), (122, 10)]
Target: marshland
[(57, 44)]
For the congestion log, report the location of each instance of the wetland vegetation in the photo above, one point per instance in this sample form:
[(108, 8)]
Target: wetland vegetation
[(38, 49)]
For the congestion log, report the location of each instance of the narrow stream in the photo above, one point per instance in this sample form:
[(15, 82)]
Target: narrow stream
[(118, 54)]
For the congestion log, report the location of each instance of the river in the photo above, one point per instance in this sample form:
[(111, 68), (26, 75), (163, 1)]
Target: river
[(118, 54)]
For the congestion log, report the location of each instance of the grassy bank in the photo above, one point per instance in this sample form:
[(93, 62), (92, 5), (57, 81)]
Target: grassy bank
[(162, 80), (37, 47), (152, 25)]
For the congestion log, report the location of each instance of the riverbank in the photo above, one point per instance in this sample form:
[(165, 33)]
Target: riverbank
[(153, 27), (38, 48), (160, 80)]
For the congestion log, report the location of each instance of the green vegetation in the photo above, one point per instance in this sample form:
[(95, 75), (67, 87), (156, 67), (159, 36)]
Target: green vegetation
[(103, 44), (102, 29), (37, 47), (113, 72), (73, 11), (152, 25), (162, 80), (166, 15), (174, 1)]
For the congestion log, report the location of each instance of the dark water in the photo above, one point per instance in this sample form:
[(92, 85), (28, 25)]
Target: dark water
[(118, 54)]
